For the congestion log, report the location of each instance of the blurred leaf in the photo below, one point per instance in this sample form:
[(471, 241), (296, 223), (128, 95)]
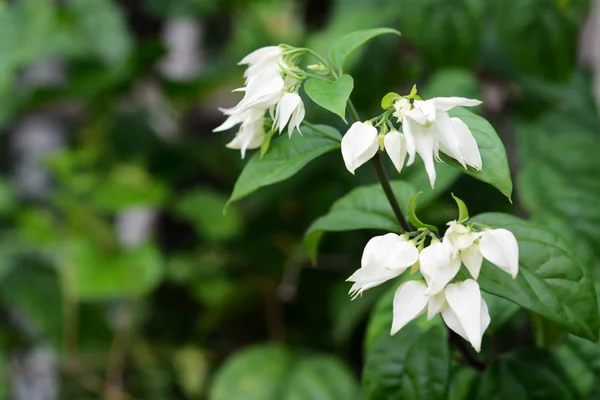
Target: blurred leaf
[(551, 280), (343, 47), (448, 33), (285, 158), (365, 207), (128, 186), (500, 309), (102, 26), (8, 202), (449, 82), (320, 377), (191, 365), (528, 374), (332, 95), (581, 360), (546, 334), (495, 169), (95, 274), (273, 372), (412, 364), (463, 382), (550, 29), (204, 208)]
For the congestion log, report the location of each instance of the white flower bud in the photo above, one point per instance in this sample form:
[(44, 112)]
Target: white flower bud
[(359, 145)]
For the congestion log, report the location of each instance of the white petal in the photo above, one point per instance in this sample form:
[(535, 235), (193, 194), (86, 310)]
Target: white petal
[(261, 55), (500, 247), (262, 94), (427, 107), (472, 258), (464, 299), (367, 278), (449, 143), (467, 144), (435, 305), (409, 302), (285, 107), (389, 251), (438, 266), (231, 121), (448, 103), (297, 118), (359, 145), (250, 136), (407, 125), (395, 146), (424, 145)]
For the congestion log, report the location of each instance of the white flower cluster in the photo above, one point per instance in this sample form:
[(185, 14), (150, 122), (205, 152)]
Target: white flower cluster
[(269, 86), (459, 302), (428, 129)]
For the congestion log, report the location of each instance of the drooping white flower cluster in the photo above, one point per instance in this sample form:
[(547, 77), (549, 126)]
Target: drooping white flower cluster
[(427, 130), (442, 291), (269, 87)]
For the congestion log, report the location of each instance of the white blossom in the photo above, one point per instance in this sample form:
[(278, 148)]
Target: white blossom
[(290, 111), (250, 136), (359, 145), (438, 266), (466, 312), (500, 247), (460, 304), (395, 146), (461, 241), (428, 129), (384, 257)]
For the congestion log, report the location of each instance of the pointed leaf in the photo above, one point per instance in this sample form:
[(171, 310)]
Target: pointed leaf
[(389, 99), (495, 169), (551, 280), (463, 212), (366, 207), (342, 48), (412, 215), (333, 95), (285, 158)]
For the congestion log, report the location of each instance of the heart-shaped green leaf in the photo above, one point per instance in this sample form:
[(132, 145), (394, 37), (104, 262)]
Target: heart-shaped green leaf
[(333, 95)]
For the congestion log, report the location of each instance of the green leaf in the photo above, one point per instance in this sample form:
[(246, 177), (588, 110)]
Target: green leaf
[(332, 95), (551, 281), (546, 334), (366, 207), (409, 365), (388, 100), (450, 82), (463, 212), (412, 215), (320, 377), (97, 274), (252, 374), (204, 208), (529, 374), (495, 169), (342, 48), (285, 158), (582, 361), (274, 373)]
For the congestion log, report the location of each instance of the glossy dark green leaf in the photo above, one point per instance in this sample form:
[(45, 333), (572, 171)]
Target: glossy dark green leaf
[(331, 95), (363, 208), (343, 47), (495, 170), (551, 281), (529, 374), (285, 158)]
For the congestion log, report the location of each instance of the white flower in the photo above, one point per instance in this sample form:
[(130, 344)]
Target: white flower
[(289, 109), (429, 129), (384, 257), (250, 135), (461, 241), (438, 266), (263, 92), (402, 106), (359, 145), (466, 312), (500, 247), (264, 61), (410, 301), (461, 305), (395, 146)]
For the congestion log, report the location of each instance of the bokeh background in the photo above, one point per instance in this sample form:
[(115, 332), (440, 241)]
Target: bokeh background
[(120, 278)]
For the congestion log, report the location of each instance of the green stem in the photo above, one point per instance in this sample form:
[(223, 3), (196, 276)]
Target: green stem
[(383, 178)]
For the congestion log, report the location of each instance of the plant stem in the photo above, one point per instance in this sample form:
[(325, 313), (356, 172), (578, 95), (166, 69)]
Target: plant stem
[(383, 178)]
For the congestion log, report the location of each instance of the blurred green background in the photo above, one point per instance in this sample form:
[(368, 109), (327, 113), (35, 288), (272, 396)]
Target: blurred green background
[(119, 276)]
